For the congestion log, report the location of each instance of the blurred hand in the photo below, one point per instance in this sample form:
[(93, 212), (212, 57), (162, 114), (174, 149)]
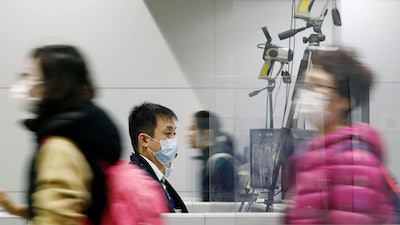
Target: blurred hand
[(5, 201), (11, 207)]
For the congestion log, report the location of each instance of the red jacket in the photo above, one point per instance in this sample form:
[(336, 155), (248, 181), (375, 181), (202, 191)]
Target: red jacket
[(338, 180)]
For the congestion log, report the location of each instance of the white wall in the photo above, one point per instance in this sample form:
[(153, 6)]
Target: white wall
[(187, 55), (371, 27)]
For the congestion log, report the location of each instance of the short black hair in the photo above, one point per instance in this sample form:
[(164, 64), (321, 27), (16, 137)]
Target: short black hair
[(143, 119), (66, 76), (206, 120)]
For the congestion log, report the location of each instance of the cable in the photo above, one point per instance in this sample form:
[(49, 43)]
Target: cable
[(276, 95), (286, 103), (250, 202), (290, 67), (267, 114), (244, 199)]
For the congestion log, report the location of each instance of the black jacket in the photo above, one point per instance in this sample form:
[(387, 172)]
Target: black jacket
[(218, 176), (177, 201), (95, 135)]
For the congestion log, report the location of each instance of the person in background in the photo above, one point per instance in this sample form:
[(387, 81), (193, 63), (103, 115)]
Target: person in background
[(66, 182), (152, 131), (337, 176), (218, 175)]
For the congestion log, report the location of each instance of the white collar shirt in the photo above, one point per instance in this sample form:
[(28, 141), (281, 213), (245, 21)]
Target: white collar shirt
[(159, 174)]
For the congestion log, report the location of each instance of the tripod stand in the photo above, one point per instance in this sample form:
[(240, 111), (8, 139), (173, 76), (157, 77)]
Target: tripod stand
[(263, 145), (288, 135), (263, 141), (285, 145)]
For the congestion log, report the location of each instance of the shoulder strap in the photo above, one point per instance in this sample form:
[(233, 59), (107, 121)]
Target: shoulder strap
[(389, 180), (357, 143), (386, 173), (214, 157)]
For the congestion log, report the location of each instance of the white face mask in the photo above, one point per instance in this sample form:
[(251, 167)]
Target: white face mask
[(19, 93), (313, 106), (168, 152), (168, 170)]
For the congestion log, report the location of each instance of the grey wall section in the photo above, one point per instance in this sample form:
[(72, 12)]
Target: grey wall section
[(187, 55), (370, 27)]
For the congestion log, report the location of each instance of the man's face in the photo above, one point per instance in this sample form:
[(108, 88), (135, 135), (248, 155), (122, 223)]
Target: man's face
[(165, 129), (192, 133), (197, 138)]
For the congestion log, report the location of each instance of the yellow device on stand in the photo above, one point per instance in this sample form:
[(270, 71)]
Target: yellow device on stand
[(273, 53)]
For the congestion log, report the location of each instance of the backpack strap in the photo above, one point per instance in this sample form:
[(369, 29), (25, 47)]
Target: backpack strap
[(211, 160), (389, 179), (359, 144)]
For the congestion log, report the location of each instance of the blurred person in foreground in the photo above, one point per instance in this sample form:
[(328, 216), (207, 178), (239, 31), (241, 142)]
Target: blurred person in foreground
[(218, 174), (152, 131), (337, 177), (74, 140)]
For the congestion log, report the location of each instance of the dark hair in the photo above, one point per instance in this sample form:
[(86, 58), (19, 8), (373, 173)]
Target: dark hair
[(353, 80), (67, 80), (206, 120), (143, 119)]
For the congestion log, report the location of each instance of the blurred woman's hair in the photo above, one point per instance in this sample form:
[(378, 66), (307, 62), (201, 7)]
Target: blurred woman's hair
[(66, 76)]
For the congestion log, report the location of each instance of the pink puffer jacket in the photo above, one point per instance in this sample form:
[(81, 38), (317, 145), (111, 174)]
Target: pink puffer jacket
[(339, 182)]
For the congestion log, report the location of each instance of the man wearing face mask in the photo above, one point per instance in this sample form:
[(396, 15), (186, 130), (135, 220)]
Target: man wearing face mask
[(152, 132)]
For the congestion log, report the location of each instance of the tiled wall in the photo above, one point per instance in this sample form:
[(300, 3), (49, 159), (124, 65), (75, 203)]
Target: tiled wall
[(187, 55)]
